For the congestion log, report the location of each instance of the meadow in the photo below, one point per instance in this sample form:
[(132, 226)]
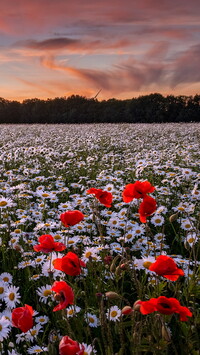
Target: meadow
[(131, 282)]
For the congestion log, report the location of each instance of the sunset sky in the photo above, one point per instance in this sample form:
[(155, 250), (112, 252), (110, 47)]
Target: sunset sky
[(125, 48)]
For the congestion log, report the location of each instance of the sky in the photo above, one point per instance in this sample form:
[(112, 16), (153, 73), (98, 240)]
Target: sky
[(122, 48)]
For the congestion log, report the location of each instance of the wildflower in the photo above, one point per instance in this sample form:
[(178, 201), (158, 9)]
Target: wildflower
[(45, 293), (6, 277), (157, 220), (36, 349), (104, 197), (165, 266), (64, 294), (91, 319), (4, 328), (12, 296), (164, 305), (147, 207), (113, 313), (67, 346), (88, 349), (70, 218), (3, 288), (22, 318), (33, 332), (70, 264), (137, 190), (42, 319), (47, 244), (72, 311)]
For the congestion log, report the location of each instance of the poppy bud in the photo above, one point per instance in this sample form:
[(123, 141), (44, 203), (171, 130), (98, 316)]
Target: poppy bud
[(136, 305), (173, 217), (127, 310), (166, 333), (113, 265), (112, 295)]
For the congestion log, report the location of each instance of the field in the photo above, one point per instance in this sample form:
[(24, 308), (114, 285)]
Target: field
[(47, 170)]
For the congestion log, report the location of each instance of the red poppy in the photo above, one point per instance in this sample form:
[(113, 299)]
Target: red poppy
[(47, 244), (164, 305), (147, 207), (137, 190), (184, 312), (147, 307), (64, 294), (104, 197), (68, 346), (22, 318), (70, 218), (70, 264), (165, 266), (167, 305)]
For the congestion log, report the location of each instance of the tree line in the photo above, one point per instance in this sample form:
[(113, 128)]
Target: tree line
[(79, 109)]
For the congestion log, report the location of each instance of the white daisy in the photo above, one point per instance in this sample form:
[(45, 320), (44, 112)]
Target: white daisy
[(12, 296), (45, 293), (6, 277), (113, 313), (36, 349), (186, 225), (4, 328), (157, 220), (72, 311), (91, 319), (41, 319), (32, 334), (3, 288), (88, 349)]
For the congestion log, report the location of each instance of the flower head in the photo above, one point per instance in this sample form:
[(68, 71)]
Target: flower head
[(22, 318), (70, 218), (47, 244), (147, 207), (137, 190), (64, 294), (70, 264), (104, 197), (68, 346), (165, 266), (164, 305)]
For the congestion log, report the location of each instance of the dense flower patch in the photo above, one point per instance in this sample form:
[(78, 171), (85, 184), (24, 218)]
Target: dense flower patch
[(99, 239)]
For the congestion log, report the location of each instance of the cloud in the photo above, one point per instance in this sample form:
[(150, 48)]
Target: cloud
[(186, 67)]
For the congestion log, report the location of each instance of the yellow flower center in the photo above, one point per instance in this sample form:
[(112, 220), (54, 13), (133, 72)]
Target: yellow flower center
[(3, 203), (45, 195), (5, 279), (47, 293), (0, 327), (138, 231), (113, 314), (88, 254), (1, 290), (57, 237), (70, 312), (191, 240), (17, 231), (12, 296), (33, 332), (187, 225), (91, 320), (157, 220), (146, 264)]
